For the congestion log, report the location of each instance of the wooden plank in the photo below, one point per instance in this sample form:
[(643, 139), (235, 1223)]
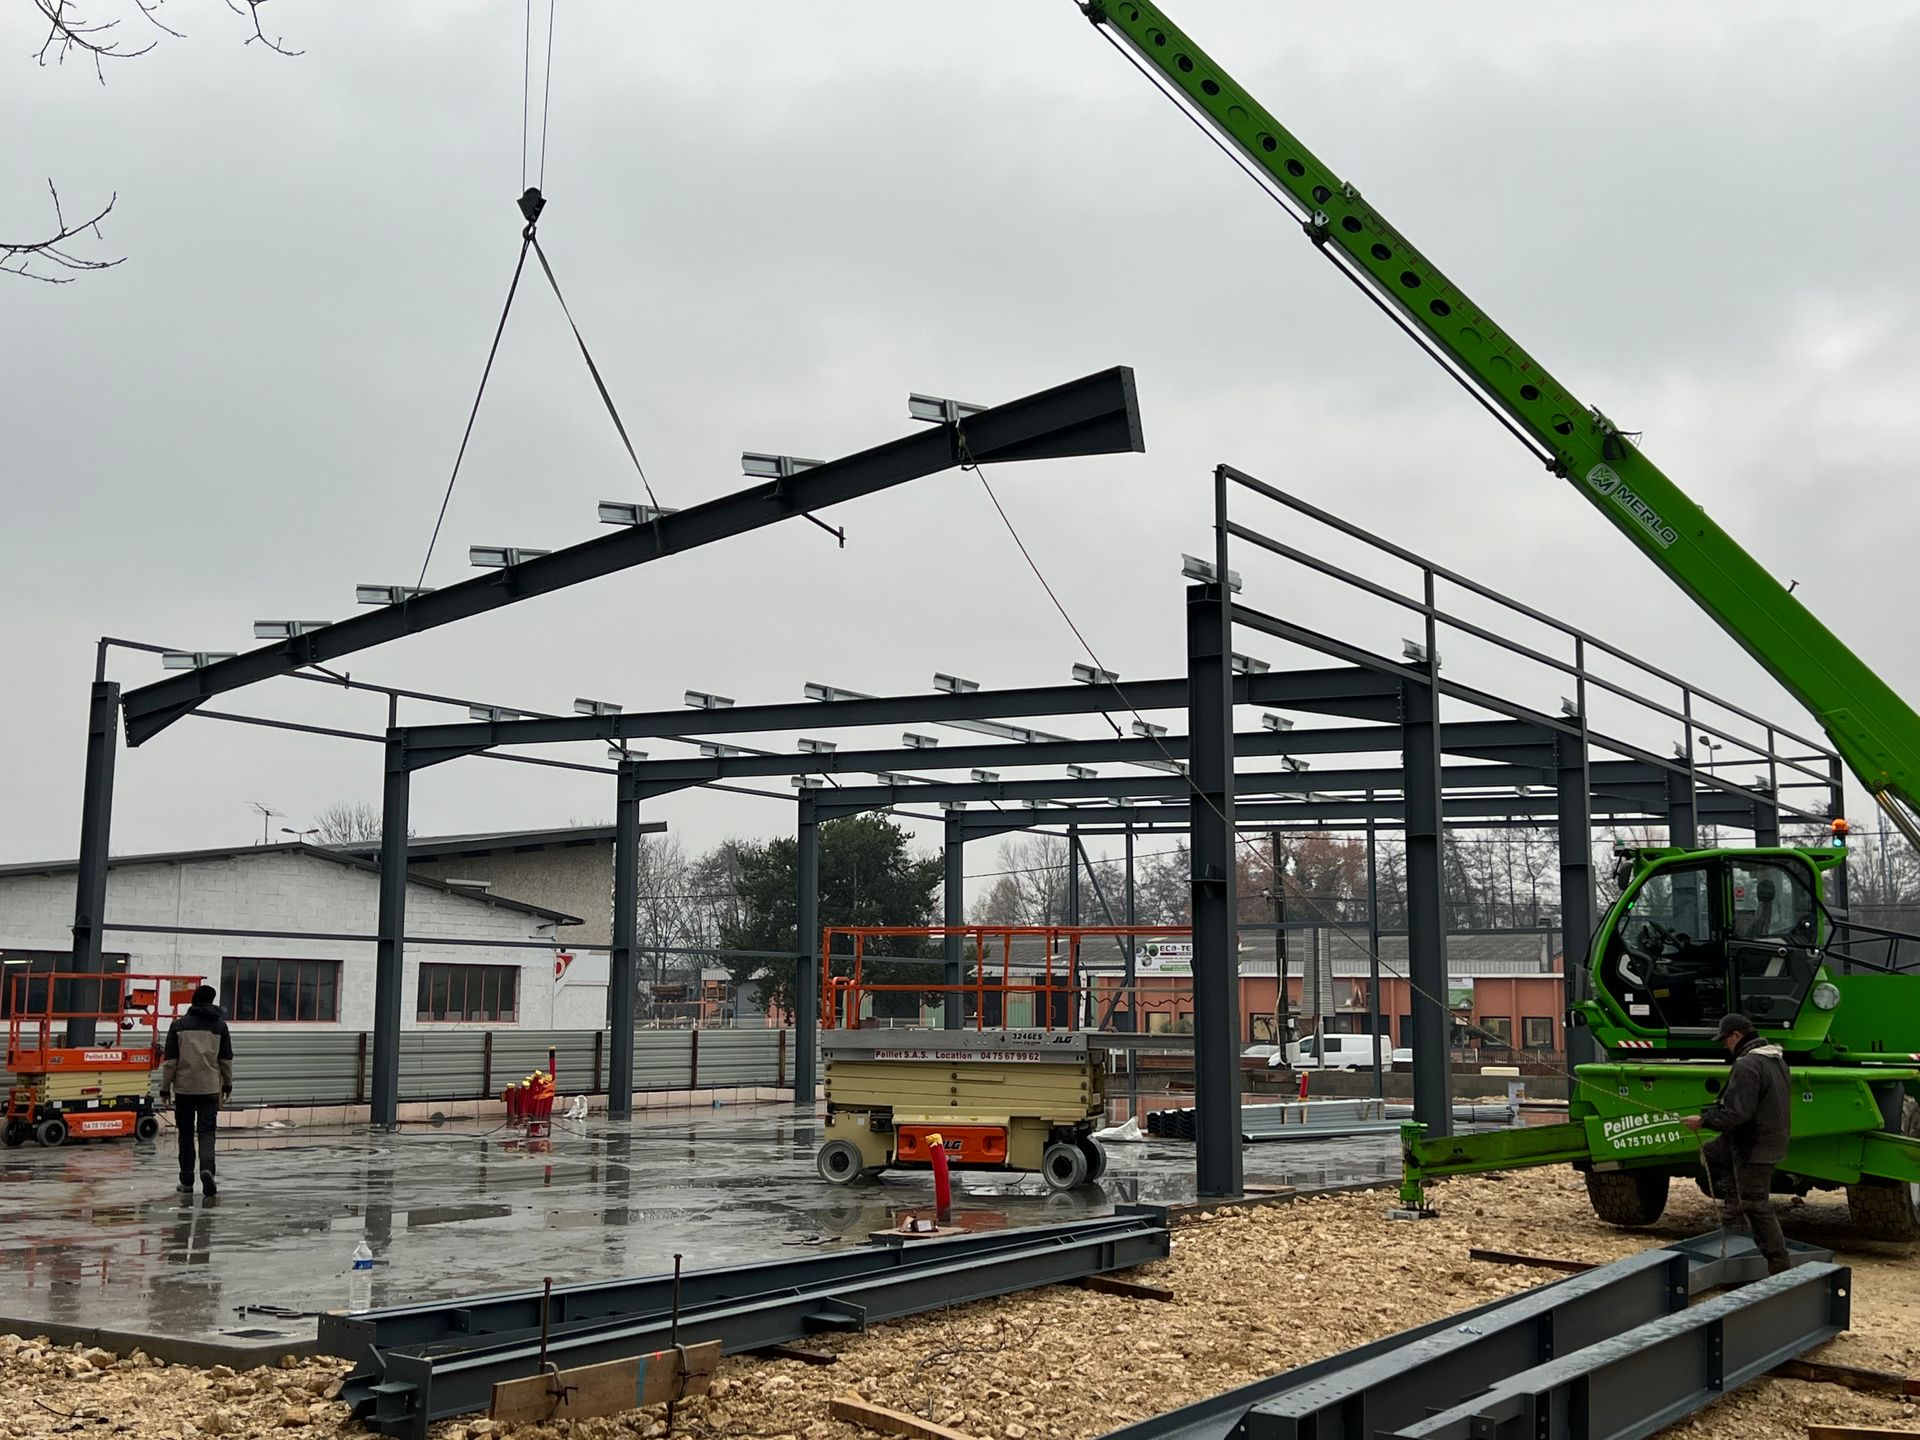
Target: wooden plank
[(1538, 1262), (1129, 1289), (1873, 1382), (796, 1352), (853, 1408), (1857, 1432), (611, 1388)]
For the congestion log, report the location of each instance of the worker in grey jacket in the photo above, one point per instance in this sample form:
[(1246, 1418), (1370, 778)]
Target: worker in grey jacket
[(1753, 1119), (197, 1068)]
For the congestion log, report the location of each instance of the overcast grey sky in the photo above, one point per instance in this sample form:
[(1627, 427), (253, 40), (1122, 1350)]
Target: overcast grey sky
[(776, 220)]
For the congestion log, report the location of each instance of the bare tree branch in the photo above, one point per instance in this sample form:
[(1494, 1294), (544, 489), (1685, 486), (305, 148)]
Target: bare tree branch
[(252, 11), (17, 257), (68, 31)]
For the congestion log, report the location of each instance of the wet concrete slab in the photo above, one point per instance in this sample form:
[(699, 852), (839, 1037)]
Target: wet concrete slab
[(97, 1240)]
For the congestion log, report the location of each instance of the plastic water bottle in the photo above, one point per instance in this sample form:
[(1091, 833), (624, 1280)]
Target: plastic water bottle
[(360, 1280)]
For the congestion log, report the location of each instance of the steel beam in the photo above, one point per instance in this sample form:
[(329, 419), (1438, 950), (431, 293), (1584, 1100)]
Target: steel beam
[(854, 798), (1379, 1396), (1097, 415), (96, 824), (1632, 1384), (410, 1385), (389, 966), (623, 990), (1216, 968), (1358, 739), (807, 962), (1338, 690)]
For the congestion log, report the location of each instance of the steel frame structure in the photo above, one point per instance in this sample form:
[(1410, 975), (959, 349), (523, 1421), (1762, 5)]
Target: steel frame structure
[(1541, 765), (1095, 415), (1511, 764), (1411, 694)]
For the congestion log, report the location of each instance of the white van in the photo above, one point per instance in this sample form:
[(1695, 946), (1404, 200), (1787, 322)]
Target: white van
[(1341, 1052)]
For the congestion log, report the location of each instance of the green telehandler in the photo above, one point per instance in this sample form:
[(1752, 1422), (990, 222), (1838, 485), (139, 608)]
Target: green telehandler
[(1695, 933)]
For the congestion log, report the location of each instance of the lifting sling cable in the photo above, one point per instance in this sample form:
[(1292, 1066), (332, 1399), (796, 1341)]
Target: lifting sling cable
[(532, 203)]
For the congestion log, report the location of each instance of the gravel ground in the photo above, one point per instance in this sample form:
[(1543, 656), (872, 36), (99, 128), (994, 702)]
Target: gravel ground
[(1256, 1291)]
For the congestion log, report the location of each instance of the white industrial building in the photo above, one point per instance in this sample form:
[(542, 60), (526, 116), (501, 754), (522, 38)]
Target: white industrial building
[(298, 968)]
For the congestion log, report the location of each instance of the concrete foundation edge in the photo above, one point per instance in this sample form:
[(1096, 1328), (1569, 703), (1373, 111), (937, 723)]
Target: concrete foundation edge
[(239, 1354)]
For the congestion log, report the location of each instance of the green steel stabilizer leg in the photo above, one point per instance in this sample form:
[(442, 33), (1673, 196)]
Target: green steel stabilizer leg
[(1423, 1159), (1413, 1187)]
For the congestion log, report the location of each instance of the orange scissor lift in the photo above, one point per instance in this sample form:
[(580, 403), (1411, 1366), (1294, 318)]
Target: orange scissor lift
[(998, 1097), (101, 1091)]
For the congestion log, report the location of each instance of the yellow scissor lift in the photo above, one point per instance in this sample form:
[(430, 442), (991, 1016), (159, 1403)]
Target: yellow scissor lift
[(1021, 1098)]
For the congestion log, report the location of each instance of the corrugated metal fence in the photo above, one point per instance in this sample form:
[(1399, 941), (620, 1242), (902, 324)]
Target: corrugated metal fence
[(331, 1067)]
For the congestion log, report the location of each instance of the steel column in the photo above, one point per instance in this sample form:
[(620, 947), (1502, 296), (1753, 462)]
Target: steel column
[(1576, 887), (1427, 914), (1836, 808), (623, 987), (1683, 821), (1216, 973), (1131, 978), (1069, 1014), (1766, 824), (389, 969), (1373, 949), (954, 912), (96, 821), (806, 970)]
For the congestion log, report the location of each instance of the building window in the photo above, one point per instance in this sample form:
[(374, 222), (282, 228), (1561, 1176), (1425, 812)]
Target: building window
[(280, 991), (1496, 1031), (1536, 1032), (1159, 1022), (1406, 1030), (469, 992)]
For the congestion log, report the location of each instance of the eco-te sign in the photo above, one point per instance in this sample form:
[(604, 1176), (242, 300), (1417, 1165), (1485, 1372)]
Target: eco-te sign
[(1165, 957)]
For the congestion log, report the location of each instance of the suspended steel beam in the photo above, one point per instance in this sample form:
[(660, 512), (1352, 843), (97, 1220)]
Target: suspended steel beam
[(1097, 415)]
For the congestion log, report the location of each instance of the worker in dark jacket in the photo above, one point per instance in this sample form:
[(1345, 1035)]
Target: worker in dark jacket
[(197, 1067), (1753, 1119)]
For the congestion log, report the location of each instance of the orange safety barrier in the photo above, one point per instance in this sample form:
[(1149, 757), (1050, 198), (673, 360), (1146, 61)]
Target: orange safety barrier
[(842, 995)]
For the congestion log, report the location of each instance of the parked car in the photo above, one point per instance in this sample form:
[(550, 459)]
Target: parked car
[(1342, 1052)]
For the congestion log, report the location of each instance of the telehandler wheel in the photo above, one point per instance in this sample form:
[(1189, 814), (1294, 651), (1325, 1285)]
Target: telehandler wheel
[(1627, 1197), (838, 1162), (1889, 1209), (51, 1132), (1096, 1156), (1064, 1166)]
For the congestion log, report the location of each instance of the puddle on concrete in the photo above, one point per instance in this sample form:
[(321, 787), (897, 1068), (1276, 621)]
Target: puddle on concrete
[(450, 1211)]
